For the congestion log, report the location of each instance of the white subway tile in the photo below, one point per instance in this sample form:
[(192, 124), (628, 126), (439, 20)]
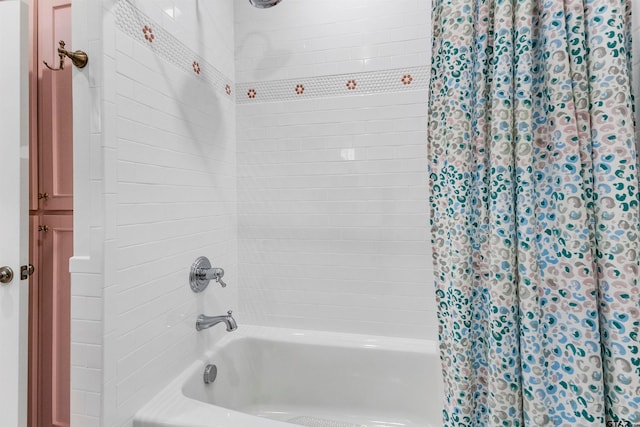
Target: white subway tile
[(358, 213)]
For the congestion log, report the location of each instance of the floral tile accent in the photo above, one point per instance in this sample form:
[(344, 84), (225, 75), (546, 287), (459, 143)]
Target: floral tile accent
[(369, 82), (148, 33), (134, 23), (131, 21)]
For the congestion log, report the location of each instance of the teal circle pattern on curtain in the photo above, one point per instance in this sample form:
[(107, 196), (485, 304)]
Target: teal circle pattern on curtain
[(535, 212)]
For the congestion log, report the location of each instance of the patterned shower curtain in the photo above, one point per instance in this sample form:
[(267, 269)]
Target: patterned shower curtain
[(535, 212)]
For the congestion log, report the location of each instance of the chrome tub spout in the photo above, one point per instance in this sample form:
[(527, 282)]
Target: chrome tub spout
[(205, 322)]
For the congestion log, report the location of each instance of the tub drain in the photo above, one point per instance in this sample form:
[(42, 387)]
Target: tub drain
[(210, 374), (320, 422)]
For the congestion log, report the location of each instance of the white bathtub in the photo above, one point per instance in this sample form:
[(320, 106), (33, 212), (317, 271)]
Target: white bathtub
[(270, 377)]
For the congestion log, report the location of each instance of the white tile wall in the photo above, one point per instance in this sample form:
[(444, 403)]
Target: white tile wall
[(332, 193), (175, 200), (201, 26), (160, 190), (163, 45), (333, 219), (90, 218), (304, 38)]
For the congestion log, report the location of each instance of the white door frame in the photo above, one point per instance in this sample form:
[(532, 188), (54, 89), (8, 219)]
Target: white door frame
[(14, 210)]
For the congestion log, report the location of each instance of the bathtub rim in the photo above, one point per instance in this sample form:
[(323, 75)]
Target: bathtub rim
[(167, 409), (329, 338)]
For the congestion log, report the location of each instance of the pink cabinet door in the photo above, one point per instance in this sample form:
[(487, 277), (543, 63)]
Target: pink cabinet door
[(52, 217), (55, 108), (55, 240)]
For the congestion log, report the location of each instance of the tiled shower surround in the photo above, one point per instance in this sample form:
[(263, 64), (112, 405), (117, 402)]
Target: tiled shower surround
[(331, 150), (288, 145), (332, 201)]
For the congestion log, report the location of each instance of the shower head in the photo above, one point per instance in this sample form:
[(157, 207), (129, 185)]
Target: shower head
[(264, 4)]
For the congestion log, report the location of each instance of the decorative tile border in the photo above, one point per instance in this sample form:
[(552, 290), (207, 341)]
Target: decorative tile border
[(398, 80), (140, 27)]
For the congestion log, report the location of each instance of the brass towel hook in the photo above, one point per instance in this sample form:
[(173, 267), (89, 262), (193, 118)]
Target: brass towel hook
[(78, 58)]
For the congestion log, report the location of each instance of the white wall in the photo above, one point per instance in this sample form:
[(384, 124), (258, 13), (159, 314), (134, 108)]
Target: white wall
[(332, 187), (161, 187), (304, 38), (176, 199), (90, 229)]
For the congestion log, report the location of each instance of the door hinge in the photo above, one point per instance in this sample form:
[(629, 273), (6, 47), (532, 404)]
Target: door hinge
[(44, 228)]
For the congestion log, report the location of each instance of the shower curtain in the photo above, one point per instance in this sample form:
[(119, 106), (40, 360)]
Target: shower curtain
[(535, 212)]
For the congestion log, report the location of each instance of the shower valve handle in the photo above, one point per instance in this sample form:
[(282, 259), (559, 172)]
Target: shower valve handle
[(202, 273), (222, 283)]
